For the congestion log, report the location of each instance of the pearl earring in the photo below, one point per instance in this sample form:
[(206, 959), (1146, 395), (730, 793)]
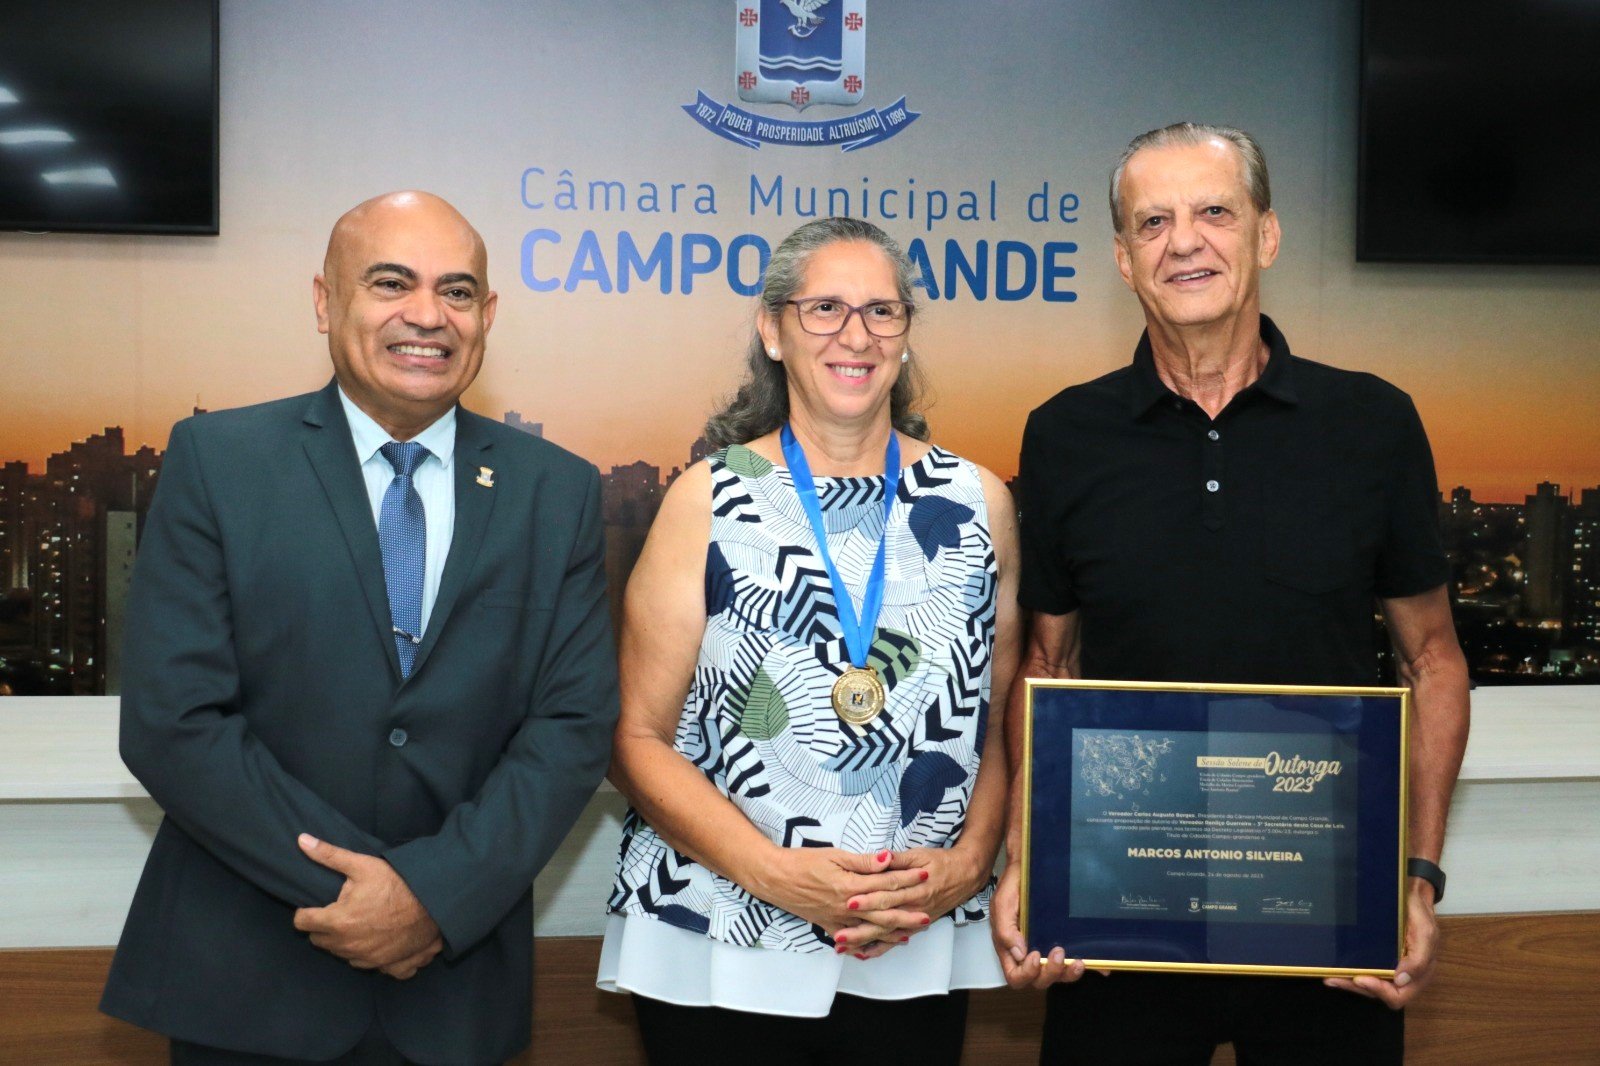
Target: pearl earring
[(905, 356), (772, 353)]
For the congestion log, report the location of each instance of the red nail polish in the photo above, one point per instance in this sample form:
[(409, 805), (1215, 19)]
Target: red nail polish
[(862, 957), (883, 856), (923, 875), (839, 950), (905, 940), (926, 919), (840, 939), (853, 905)]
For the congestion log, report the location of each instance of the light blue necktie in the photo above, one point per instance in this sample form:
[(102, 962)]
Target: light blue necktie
[(403, 538)]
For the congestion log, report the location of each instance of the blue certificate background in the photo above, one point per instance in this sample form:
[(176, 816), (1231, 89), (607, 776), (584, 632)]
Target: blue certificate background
[(1143, 791), (1362, 932)]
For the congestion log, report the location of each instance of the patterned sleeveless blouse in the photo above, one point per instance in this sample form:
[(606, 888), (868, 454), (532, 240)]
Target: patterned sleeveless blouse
[(758, 720)]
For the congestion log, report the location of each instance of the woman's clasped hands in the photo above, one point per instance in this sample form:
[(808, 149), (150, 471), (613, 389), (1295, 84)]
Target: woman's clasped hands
[(872, 903)]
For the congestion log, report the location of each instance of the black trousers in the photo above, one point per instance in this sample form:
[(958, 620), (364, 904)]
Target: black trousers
[(1178, 1019), (373, 1050), (858, 1032)]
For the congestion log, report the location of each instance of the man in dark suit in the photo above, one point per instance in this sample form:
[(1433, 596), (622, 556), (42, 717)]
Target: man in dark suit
[(370, 680)]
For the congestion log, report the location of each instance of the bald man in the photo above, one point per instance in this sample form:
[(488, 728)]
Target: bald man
[(370, 682)]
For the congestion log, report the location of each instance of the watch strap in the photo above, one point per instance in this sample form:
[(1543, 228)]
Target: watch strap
[(1429, 872)]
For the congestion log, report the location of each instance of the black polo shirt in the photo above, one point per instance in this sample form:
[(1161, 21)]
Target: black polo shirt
[(1248, 548)]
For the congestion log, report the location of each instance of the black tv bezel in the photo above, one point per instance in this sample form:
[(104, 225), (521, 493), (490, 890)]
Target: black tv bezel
[(1365, 253), (210, 228)]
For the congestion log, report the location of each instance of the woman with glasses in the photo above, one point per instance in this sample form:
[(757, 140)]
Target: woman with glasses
[(810, 639)]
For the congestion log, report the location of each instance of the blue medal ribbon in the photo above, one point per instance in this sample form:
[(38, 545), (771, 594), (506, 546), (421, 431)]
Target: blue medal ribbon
[(857, 632)]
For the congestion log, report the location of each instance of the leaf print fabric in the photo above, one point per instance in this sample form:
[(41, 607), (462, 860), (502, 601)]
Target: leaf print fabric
[(758, 720)]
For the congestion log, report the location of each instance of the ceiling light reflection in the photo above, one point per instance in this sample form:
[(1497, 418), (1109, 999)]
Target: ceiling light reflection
[(96, 176), (41, 135)]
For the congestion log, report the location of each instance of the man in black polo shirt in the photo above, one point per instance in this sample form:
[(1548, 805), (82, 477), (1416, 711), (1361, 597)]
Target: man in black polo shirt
[(1224, 511)]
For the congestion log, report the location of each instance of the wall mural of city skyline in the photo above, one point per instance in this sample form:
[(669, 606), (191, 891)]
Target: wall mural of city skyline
[(624, 238), (1525, 578)]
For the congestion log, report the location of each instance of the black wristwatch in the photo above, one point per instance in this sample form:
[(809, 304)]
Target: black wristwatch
[(1429, 872)]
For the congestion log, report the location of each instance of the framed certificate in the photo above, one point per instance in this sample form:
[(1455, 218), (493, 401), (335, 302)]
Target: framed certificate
[(1216, 828)]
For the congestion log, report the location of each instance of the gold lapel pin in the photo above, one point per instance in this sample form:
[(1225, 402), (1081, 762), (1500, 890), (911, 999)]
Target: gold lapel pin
[(486, 477)]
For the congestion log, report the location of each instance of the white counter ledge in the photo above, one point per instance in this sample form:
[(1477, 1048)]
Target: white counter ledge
[(75, 826)]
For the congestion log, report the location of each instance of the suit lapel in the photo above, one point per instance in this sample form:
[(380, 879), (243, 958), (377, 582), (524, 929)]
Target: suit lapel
[(474, 505), (333, 458)]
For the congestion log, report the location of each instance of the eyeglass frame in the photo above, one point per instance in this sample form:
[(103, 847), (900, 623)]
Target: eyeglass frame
[(851, 309)]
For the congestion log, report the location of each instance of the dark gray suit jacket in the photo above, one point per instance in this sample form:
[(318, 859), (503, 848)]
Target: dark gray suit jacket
[(262, 698)]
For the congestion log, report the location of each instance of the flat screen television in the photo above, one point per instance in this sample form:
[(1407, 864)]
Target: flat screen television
[(108, 116), (1479, 131)]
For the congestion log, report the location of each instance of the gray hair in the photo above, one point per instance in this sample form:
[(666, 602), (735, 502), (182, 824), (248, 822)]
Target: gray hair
[(1186, 134), (762, 403)]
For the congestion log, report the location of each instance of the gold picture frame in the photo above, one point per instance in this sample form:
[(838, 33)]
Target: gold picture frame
[(1390, 765)]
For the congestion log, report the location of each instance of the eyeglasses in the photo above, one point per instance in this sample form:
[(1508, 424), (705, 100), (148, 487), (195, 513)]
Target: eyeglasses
[(823, 316)]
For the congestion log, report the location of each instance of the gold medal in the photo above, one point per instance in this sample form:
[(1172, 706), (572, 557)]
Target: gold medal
[(858, 695)]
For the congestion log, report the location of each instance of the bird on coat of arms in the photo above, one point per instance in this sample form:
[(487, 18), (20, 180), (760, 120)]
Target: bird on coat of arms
[(805, 23)]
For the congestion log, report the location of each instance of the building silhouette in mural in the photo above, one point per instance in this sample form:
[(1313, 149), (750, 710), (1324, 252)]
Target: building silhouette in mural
[(1583, 603), (1525, 577), (515, 420), (67, 539), (1526, 583)]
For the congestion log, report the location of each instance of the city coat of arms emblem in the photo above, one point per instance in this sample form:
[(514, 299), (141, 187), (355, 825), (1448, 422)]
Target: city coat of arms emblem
[(798, 53), (801, 52)]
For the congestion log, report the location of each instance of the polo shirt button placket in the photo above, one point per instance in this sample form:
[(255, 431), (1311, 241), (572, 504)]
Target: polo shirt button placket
[(1211, 504), (399, 737)]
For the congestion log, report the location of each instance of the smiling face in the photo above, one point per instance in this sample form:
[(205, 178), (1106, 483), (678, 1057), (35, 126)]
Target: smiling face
[(1192, 244), (405, 302), (842, 380)]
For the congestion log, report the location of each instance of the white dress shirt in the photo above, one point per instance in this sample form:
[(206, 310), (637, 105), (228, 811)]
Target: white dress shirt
[(434, 480)]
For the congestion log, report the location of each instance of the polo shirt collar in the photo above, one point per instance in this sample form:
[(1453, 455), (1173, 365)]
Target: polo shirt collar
[(1277, 378), (1146, 389), (439, 438)]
